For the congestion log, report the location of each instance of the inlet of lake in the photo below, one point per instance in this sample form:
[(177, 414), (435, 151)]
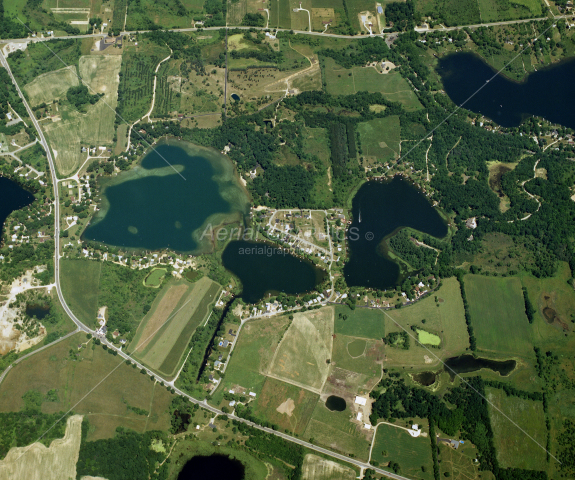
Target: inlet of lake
[(380, 209), (213, 467), (12, 197), (546, 93), (170, 200)]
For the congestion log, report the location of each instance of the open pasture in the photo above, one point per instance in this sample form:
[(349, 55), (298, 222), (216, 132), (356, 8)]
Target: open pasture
[(163, 335), (345, 81), (446, 318), (367, 362), (154, 279), (380, 139), (459, 463), (301, 357), (361, 322), (74, 376), (51, 86), (498, 315), (80, 280), (318, 468), (394, 444), (514, 448), (285, 405)]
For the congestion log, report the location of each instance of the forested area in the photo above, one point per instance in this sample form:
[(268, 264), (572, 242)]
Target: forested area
[(79, 97), (417, 256), (9, 95)]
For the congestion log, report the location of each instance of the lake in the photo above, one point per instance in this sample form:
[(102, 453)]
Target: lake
[(12, 197), (264, 268), (169, 201), (468, 363), (380, 209), (546, 93), (213, 467)]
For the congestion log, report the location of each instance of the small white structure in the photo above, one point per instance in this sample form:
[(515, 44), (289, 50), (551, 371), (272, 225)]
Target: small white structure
[(360, 401), (359, 416), (252, 394)]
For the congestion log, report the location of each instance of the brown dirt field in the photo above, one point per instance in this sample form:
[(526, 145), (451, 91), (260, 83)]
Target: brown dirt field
[(161, 314), (37, 462), (287, 407)]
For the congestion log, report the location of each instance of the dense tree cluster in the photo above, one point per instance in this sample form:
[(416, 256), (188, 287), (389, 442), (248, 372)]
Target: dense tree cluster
[(404, 247), (79, 96), (401, 15), (254, 20)]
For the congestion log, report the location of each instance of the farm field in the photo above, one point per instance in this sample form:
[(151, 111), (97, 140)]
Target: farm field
[(334, 430), (459, 463), (412, 453), (380, 139), (318, 468), (302, 354), (285, 405), (51, 86), (514, 448), (256, 345), (500, 324), (491, 10), (165, 14), (73, 375), (344, 81), (163, 335), (96, 127), (80, 280), (367, 363), (53, 463), (446, 320), (361, 322)]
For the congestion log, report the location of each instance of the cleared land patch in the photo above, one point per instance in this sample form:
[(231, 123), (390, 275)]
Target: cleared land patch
[(361, 322), (367, 360), (286, 405), (514, 448), (380, 138), (80, 280), (498, 315), (303, 353), (356, 347), (51, 86), (37, 462), (154, 279), (317, 468), (396, 445)]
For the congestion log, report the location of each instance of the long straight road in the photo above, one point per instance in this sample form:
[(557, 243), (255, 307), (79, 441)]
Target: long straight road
[(84, 328)]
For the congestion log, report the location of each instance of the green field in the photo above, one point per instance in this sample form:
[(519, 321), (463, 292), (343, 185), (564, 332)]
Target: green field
[(427, 338), (154, 279), (446, 320), (364, 362), (380, 138), (411, 453), (498, 315), (492, 11), (317, 468), (334, 430), (514, 448), (74, 377), (163, 335), (295, 405), (344, 81), (356, 348), (361, 322), (51, 86), (80, 281)]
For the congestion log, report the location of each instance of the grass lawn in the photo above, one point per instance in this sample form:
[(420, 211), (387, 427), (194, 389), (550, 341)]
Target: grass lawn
[(154, 279), (356, 347), (344, 81), (498, 315), (80, 280), (514, 448), (286, 405), (73, 374), (380, 138), (361, 322), (256, 345), (445, 318), (412, 453)]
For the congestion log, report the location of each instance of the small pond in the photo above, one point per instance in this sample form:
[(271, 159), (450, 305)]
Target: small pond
[(235, 97), (37, 310), (425, 378), (468, 363), (214, 467), (335, 404)]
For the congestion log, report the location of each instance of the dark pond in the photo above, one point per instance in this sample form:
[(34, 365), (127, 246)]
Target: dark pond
[(425, 378), (12, 197), (159, 205), (264, 268), (379, 209), (543, 93), (38, 311), (468, 363), (214, 467), (336, 404), (235, 97)]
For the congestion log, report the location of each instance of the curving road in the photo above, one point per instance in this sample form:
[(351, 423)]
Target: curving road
[(84, 328)]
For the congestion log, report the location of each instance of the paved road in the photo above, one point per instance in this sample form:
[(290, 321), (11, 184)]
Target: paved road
[(84, 328)]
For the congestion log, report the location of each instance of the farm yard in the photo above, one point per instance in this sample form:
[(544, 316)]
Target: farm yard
[(302, 355), (163, 335), (413, 454), (500, 325), (73, 372)]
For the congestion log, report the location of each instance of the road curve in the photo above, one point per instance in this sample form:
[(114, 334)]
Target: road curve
[(84, 328)]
